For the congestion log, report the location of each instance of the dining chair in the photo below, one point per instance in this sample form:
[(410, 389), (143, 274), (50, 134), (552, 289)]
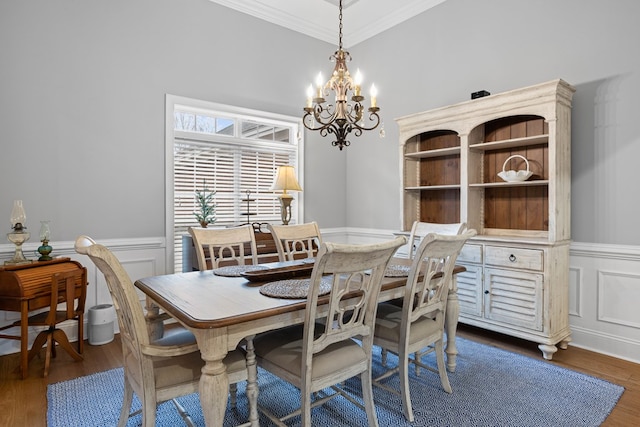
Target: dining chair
[(64, 287), (165, 368), (419, 323), (325, 351), (419, 229), (216, 247), (296, 241)]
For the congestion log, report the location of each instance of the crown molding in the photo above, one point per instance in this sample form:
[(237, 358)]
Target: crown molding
[(318, 18)]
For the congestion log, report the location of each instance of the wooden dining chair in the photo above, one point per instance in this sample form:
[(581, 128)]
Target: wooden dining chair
[(165, 368), (64, 288), (324, 351), (296, 241), (216, 247), (419, 323), (419, 229)]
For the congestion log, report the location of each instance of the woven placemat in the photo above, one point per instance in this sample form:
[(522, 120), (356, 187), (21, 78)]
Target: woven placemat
[(293, 288), (397, 270), (236, 270)]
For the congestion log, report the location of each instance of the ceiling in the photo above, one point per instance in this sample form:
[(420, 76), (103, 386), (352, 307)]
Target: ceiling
[(319, 18)]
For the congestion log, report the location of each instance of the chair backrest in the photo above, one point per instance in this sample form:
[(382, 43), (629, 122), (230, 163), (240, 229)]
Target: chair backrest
[(133, 329), (296, 241), (430, 277), (224, 246), (63, 288), (356, 273), (420, 229)]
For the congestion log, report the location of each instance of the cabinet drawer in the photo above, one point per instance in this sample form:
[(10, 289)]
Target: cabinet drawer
[(530, 259), (471, 253)]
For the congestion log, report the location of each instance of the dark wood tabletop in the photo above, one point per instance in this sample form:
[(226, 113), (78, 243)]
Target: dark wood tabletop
[(201, 299)]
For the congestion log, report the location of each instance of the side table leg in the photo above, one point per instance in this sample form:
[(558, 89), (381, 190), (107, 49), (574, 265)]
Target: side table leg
[(24, 339)]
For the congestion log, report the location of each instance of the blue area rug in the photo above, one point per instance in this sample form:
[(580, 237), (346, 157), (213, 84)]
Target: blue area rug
[(491, 387)]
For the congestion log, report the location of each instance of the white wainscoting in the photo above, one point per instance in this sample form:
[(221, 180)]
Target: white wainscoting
[(604, 292), (604, 286), (140, 257)]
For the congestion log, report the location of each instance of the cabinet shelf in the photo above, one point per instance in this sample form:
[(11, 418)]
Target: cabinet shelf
[(433, 187), (540, 182), (511, 143), (433, 153)]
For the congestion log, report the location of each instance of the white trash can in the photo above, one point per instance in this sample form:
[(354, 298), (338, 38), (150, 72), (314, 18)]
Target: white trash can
[(101, 318)]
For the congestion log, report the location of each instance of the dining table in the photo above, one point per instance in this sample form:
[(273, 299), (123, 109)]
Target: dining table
[(222, 310)]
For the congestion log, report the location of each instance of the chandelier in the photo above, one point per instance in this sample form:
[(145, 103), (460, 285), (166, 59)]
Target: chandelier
[(346, 114)]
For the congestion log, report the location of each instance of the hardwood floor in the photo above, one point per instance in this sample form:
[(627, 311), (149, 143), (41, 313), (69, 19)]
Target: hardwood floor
[(24, 402)]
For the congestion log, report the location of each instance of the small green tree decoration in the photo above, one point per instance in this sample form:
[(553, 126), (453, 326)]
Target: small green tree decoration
[(207, 208)]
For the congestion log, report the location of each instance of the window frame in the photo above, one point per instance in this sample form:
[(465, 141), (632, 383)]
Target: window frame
[(173, 102)]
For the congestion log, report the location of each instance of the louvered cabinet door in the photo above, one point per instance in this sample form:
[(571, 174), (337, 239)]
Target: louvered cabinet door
[(514, 297)]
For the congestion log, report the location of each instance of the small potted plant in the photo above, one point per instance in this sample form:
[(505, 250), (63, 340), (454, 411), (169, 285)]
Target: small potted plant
[(206, 213)]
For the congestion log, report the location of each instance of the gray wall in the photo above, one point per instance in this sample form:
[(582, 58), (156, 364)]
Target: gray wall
[(82, 86), (82, 97), (461, 46)]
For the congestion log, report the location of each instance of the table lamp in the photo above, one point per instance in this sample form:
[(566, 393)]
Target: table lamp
[(19, 235), (285, 181)]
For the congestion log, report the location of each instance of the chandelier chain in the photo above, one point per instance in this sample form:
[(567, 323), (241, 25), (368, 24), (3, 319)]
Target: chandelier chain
[(340, 27)]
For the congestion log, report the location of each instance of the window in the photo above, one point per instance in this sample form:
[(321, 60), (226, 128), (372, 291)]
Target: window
[(232, 151)]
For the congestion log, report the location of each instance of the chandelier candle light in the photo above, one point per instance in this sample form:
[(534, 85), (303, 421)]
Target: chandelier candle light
[(346, 114), (286, 180)]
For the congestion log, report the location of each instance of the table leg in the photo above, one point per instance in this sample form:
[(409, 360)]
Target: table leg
[(451, 325), (214, 382), (155, 322), (24, 339), (252, 382)]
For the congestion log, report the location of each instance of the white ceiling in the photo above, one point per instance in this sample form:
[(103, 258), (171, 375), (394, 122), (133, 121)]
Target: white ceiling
[(319, 18)]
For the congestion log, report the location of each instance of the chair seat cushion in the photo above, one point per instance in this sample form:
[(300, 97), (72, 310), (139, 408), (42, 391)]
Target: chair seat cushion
[(176, 336), (389, 319), (283, 348), (187, 368), (170, 371)]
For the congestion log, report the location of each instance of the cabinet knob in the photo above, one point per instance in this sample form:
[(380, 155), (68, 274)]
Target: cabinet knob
[(512, 258), (486, 292)]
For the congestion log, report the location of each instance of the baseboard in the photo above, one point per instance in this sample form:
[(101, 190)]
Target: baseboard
[(611, 345)]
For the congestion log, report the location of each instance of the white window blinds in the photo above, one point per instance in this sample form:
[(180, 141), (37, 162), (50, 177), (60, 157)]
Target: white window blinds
[(234, 155)]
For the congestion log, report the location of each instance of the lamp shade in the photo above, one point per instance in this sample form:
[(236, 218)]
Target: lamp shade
[(286, 180), (17, 213)]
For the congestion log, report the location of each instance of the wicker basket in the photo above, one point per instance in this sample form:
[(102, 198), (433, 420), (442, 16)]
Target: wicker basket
[(513, 175)]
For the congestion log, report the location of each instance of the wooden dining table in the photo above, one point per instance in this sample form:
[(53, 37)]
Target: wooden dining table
[(222, 311)]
